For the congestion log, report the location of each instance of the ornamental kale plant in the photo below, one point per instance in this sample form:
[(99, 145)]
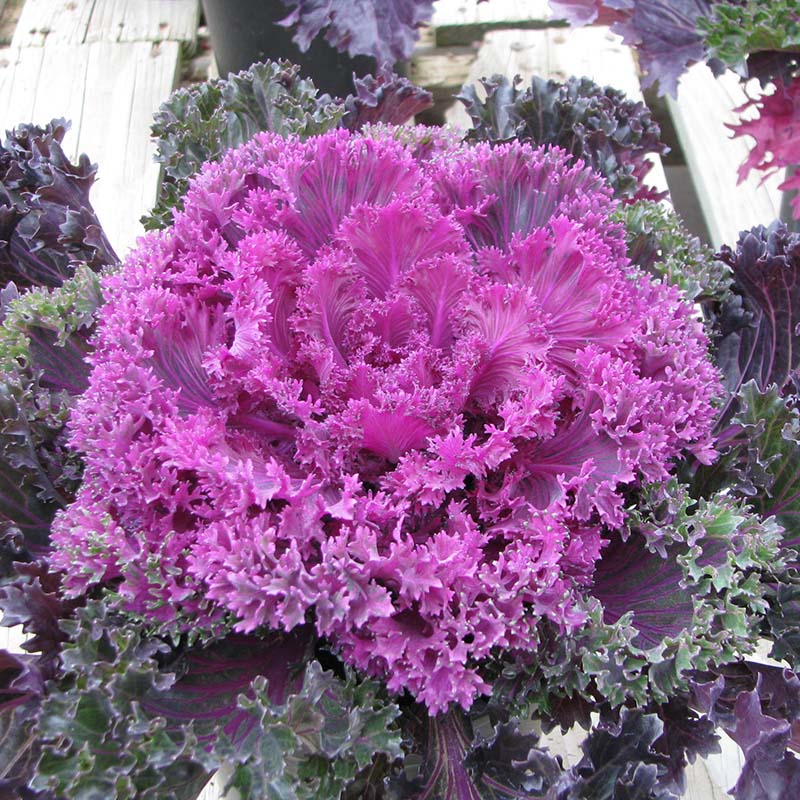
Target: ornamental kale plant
[(400, 392), (383, 446)]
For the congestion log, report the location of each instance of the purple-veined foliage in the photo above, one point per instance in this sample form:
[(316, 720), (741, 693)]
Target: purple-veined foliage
[(384, 29), (385, 383), (664, 32)]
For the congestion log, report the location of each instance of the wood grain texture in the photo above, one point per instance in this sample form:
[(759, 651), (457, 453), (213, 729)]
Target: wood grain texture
[(19, 78), (144, 20), (64, 21), (82, 21), (125, 84), (704, 105), (62, 92)]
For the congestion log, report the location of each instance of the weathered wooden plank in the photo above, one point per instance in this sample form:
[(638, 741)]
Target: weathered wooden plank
[(109, 93), (53, 21), (704, 104), (19, 78), (125, 84), (144, 20), (554, 53), (60, 92), (459, 22)]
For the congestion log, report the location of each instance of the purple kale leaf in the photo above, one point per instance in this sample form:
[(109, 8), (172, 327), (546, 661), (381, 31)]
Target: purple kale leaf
[(687, 735), (386, 97), (384, 29), (43, 345), (47, 224), (667, 39), (757, 342), (758, 706), (21, 690), (758, 337), (665, 33)]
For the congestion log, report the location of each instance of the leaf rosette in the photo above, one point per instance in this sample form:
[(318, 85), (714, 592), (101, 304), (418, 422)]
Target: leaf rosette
[(385, 384)]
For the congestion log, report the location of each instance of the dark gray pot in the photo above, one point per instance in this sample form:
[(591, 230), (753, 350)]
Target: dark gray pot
[(245, 31)]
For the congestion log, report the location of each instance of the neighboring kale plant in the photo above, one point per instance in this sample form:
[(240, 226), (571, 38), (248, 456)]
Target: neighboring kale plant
[(755, 39), (51, 246), (200, 123), (47, 224), (610, 133), (659, 243)]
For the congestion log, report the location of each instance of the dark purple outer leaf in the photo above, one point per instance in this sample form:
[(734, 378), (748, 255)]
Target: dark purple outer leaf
[(759, 707), (620, 761), (631, 578), (28, 515), (759, 325), (387, 98), (47, 223), (21, 689), (61, 368), (686, 736), (35, 601), (214, 677), (384, 29), (666, 38), (511, 763)]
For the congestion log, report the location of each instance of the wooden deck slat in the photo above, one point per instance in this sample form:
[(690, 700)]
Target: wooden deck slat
[(53, 21), (109, 94), (144, 20), (704, 104), (125, 83), (554, 53), (61, 92), (19, 77), (81, 21)]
